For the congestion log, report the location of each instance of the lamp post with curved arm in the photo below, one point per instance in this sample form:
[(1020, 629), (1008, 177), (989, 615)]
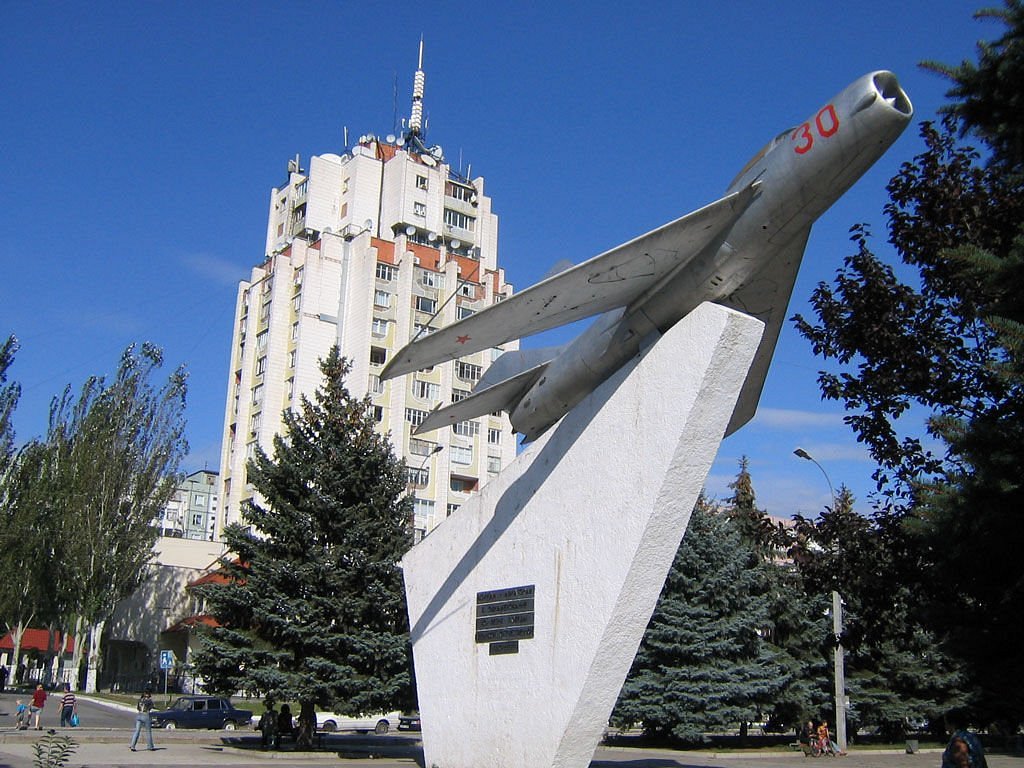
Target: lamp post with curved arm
[(837, 628), (433, 451)]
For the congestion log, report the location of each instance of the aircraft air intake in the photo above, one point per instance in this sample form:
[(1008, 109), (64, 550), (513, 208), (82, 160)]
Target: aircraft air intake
[(889, 89)]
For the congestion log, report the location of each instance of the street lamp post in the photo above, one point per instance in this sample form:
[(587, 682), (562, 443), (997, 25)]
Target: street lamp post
[(435, 450), (839, 670)]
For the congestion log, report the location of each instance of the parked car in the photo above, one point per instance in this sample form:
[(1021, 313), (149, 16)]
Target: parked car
[(410, 722), (382, 723), (201, 712)]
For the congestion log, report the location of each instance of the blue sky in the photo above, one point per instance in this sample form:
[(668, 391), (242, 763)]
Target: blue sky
[(140, 142)]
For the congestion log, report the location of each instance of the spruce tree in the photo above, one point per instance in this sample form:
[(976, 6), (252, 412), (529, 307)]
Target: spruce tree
[(703, 664), (313, 609)]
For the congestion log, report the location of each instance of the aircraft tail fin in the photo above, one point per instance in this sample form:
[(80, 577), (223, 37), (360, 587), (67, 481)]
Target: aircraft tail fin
[(501, 396)]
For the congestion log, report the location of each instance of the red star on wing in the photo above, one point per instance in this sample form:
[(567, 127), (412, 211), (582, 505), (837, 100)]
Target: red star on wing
[(462, 339)]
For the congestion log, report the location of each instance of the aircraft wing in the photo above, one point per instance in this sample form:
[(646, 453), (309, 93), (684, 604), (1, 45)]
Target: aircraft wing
[(766, 297), (500, 397), (604, 282)]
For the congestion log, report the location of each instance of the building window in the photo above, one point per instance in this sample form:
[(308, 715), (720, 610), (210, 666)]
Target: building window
[(385, 271), (461, 454), (421, 329), (459, 219), (417, 477), (255, 422), (423, 507), (459, 394), (261, 339), (261, 365), (198, 500), (257, 394), (425, 304), (381, 299), (378, 355), (452, 508), (426, 390), (379, 327), (297, 302), (462, 312), (297, 278), (421, 182), (494, 464), (460, 192), (419, 447), (295, 330), (376, 385), (494, 436), (415, 416), (466, 428), (290, 388), (419, 209), (378, 413), (467, 371), (431, 279), (462, 484), (291, 359)]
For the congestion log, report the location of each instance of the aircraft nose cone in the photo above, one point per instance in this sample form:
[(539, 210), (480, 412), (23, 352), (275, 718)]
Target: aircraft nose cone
[(888, 88)]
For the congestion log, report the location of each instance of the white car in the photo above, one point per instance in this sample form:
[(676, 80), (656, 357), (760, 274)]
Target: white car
[(382, 723)]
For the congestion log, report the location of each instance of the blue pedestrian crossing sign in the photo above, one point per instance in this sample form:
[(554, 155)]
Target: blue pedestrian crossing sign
[(167, 659)]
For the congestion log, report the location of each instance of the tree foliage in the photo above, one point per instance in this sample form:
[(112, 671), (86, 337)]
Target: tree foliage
[(948, 344), (896, 670), (313, 608), (9, 394), (703, 664), (78, 506), (116, 450)]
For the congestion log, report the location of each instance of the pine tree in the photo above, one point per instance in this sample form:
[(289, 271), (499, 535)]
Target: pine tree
[(314, 608), (703, 664)]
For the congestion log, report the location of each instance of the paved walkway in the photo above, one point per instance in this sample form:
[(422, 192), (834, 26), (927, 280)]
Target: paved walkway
[(386, 752)]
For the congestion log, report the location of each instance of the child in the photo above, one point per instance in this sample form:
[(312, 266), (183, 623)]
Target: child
[(21, 715)]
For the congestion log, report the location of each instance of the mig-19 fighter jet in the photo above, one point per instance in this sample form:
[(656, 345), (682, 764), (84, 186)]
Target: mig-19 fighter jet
[(741, 251)]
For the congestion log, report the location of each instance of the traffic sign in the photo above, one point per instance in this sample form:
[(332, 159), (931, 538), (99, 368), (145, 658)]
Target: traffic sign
[(167, 659)]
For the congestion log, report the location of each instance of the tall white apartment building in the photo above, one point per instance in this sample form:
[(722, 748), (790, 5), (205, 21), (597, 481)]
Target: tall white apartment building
[(368, 249)]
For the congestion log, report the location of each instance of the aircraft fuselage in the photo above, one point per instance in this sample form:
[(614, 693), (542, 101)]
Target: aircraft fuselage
[(800, 174)]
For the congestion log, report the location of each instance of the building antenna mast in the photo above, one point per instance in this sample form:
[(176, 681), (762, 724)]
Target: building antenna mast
[(416, 116)]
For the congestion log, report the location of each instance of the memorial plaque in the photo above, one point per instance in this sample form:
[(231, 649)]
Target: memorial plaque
[(501, 649), (504, 617)]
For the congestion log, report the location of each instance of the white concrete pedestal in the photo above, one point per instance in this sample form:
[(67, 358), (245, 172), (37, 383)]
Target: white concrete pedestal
[(528, 604)]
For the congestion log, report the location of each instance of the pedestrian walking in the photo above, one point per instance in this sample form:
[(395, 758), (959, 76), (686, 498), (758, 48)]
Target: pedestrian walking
[(143, 720), (38, 702), (68, 706)]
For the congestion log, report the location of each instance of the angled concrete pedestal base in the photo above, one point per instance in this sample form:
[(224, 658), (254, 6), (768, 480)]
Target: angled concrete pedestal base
[(527, 605)]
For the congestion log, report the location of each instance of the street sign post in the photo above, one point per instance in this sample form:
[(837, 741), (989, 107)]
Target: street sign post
[(167, 662)]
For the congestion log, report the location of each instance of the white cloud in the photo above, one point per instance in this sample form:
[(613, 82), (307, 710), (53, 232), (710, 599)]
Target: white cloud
[(786, 418), (214, 268)]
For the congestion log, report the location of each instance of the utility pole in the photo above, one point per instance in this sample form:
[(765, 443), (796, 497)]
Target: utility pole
[(838, 661)]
